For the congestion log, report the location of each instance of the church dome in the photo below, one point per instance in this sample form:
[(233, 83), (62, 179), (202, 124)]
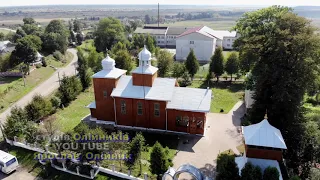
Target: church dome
[(144, 55), (108, 63)]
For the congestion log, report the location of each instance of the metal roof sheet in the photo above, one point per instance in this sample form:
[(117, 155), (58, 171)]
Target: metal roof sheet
[(263, 134), (191, 99), (113, 73), (162, 89)]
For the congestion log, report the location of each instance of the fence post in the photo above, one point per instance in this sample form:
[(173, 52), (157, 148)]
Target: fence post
[(92, 173), (15, 138), (145, 176), (113, 167), (129, 172), (46, 147), (78, 169), (64, 165)]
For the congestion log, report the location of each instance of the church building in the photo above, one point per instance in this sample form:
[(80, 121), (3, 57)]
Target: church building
[(145, 101)]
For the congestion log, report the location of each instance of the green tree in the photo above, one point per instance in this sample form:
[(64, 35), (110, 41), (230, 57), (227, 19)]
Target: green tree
[(178, 69), (158, 161), (150, 43), (192, 64), (246, 60), (55, 37), (19, 34), (36, 40), (72, 37), (186, 80), (216, 64), (25, 50), (135, 150), (227, 168), (232, 64), (77, 26), (118, 47), (251, 172), (79, 38), (271, 173), (2, 36), (83, 69), (70, 88), (38, 108), (138, 41), (282, 71), (124, 61), (28, 21), (109, 31), (15, 123), (295, 178), (32, 29), (165, 62), (94, 60)]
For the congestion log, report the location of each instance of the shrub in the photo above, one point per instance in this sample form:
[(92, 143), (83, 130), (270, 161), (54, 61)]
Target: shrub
[(44, 62), (271, 173), (69, 89), (227, 168), (38, 108), (56, 102), (186, 80), (251, 172), (38, 66), (158, 161), (295, 178), (58, 55)]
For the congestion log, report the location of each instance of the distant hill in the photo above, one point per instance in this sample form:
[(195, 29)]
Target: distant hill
[(308, 11)]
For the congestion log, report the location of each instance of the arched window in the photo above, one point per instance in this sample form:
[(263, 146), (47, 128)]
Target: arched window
[(123, 107), (139, 108)]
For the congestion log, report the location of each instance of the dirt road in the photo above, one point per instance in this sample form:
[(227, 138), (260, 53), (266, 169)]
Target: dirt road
[(46, 87)]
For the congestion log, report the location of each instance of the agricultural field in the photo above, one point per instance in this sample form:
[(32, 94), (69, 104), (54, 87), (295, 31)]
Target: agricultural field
[(216, 25)]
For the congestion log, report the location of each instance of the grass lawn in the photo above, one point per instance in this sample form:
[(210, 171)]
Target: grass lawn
[(225, 94), (53, 62), (15, 87), (70, 117), (4, 31)]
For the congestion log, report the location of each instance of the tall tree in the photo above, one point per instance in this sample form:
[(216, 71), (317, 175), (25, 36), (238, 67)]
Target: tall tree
[(150, 43), (246, 60), (109, 31), (124, 61), (83, 69), (286, 48), (38, 108), (165, 61), (69, 89), (28, 21), (216, 64), (158, 161), (232, 64), (147, 19), (19, 34), (178, 69), (227, 168), (135, 150), (55, 37), (192, 64), (271, 173), (25, 50), (77, 26), (138, 41), (251, 172)]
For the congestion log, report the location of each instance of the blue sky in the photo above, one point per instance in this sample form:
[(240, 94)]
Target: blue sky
[(199, 2)]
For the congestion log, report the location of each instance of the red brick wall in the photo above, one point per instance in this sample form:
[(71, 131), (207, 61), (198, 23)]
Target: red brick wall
[(263, 153), (104, 105), (147, 119), (143, 79), (172, 114)]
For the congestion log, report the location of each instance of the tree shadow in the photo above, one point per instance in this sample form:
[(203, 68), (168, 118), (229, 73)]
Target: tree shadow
[(230, 86), (209, 170)]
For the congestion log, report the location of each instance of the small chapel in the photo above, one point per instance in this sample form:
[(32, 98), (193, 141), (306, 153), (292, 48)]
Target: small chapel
[(144, 100)]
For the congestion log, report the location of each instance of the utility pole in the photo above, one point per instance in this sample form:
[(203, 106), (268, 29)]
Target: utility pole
[(24, 80), (59, 78), (158, 14)]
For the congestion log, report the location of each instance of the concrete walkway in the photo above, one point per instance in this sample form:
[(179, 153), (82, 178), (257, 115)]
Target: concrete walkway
[(46, 87), (19, 174), (221, 134)]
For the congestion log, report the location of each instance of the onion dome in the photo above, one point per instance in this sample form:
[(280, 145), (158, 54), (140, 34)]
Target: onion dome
[(108, 63)]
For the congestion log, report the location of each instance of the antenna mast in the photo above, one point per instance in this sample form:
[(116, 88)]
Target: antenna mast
[(158, 14)]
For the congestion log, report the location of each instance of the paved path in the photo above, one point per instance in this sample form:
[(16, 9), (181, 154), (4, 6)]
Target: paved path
[(19, 174), (46, 87), (221, 134)]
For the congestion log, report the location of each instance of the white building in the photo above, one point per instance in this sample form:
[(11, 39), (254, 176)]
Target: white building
[(225, 38), (159, 33), (200, 40), (172, 34)]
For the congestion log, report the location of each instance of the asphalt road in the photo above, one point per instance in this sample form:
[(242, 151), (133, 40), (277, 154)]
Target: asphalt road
[(46, 87)]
